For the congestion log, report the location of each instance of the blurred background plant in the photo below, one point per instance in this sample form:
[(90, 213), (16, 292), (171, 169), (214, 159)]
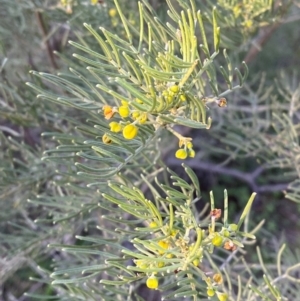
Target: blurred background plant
[(251, 146)]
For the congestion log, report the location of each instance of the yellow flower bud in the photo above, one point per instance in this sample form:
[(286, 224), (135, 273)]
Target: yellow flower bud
[(174, 89), (248, 23), (153, 225), (163, 244), (124, 103), (94, 2), (189, 144), (196, 262), (192, 153), (232, 227), (217, 240), (115, 127), (210, 292), (124, 111), (112, 12), (139, 101), (222, 296), (169, 98), (135, 115), (173, 232), (152, 282), (170, 256), (130, 131), (160, 264), (143, 118), (141, 264), (226, 233), (181, 154), (182, 97), (106, 139)]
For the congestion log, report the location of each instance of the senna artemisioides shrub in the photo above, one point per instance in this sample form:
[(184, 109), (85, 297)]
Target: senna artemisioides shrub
[(132, 88)]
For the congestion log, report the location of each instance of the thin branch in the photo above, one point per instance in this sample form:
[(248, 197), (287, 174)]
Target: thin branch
[(49, 49), (249, 178)]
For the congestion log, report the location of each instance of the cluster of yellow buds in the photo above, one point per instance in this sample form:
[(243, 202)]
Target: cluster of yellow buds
[(186, 151), (173, 93), (129, 130)]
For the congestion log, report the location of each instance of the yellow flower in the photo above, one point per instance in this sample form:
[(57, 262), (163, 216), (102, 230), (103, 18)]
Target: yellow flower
[(174, 89), (210, 292), (217, 240), (152, 282), (192, 153), (163, 244), (106, 139), (181, 154), (182, 97), (115, 127), (153, 225), (139, 101), (130, 131), (160, 264), (222, 296), (112, 12), (248, 23), (189, 144), (124, 111), (94, 2), (196, 262)]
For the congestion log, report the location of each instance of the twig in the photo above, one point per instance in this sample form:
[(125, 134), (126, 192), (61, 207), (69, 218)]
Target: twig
[(47, 43), (264, 35), (249, 178)]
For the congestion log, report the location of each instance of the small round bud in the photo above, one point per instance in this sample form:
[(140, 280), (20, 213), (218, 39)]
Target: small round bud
[(130, 131), (210, 292), (115, 127), (189, 144), (233, 227), (143, 118), (163, 244), (124, 111), (135, 115), (152, 282), (153, 225), (217, 240), (182, 97), (112, 12), (222, 296), (160, 264), (174, 89), (192, 153), (181, 154)]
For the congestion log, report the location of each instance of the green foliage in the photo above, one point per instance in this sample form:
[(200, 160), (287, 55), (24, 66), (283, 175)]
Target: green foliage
[(97, 209)]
